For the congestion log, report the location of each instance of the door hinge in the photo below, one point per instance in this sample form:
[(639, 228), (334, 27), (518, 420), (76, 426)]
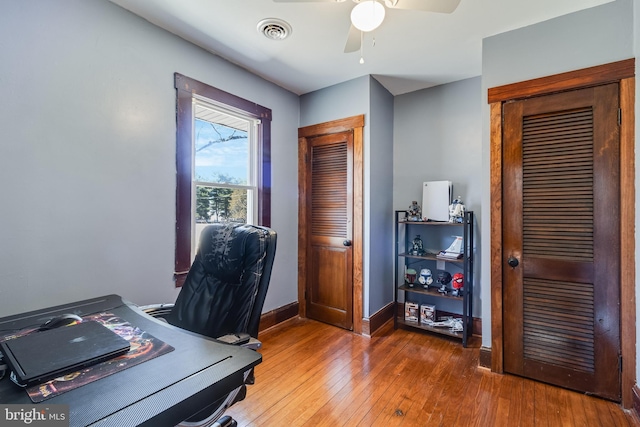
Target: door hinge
[(619, 116)]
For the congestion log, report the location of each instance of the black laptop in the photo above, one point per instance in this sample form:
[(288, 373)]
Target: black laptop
[(42, 356)]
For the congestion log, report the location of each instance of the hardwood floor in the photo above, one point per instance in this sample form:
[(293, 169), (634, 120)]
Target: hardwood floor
[(314, 374)]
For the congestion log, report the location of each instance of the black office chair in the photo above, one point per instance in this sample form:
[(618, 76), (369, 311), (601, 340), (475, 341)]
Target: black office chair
[(223, 295)]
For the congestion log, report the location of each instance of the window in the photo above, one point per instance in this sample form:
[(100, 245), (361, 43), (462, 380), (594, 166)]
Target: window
[(223, 164), (225, 169)]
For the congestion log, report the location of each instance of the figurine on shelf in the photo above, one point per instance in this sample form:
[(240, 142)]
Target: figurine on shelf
[(444, 277), (414, 212), (456, 210), (410, 277), (425, 278), (457, 283), (417, 248)]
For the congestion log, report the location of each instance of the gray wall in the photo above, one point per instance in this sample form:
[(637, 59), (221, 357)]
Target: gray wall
[(350, 98), (365, 96), (438, 136), (378, 184), (87, 158), (583, 39)]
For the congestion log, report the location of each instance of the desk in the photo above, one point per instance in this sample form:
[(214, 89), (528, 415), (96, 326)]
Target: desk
[(159, 392)]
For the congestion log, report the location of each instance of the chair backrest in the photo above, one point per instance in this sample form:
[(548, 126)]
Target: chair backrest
[(226, 286)]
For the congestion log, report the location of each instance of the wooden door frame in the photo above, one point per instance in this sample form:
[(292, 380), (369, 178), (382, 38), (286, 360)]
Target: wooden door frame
[(623, 73), (355, 124)]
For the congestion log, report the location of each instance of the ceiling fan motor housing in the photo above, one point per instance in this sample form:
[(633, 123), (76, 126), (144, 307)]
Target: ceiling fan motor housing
[(388, 3)]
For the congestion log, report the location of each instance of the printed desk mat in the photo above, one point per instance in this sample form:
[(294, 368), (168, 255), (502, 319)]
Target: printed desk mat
[(144, 347)]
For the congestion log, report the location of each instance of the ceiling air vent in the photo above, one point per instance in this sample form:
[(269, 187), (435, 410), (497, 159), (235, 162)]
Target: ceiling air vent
[(274, 29)]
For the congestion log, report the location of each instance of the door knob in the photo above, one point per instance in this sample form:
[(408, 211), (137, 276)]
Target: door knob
[(347, 242), (513, 261)]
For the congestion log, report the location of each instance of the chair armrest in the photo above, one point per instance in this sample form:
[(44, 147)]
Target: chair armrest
[(241, 339), (157, 310), (253, 344)]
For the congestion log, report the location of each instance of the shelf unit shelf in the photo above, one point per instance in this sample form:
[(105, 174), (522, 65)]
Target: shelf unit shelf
[(432, 291), (438, 330), (431, 295), (432, 258)]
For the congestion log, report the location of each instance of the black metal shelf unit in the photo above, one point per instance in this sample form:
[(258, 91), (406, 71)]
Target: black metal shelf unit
[(433, 233)]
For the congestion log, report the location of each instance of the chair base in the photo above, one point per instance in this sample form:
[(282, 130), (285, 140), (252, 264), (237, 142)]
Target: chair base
[(225, 421)]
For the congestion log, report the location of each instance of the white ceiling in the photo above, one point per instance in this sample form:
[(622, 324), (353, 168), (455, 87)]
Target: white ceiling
[(413, 50)]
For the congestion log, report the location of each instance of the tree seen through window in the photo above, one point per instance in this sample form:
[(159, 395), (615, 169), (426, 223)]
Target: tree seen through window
[(222, 168)]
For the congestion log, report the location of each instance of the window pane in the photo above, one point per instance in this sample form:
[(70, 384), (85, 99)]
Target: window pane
[(216, 204), (239, 209), (221, 153)]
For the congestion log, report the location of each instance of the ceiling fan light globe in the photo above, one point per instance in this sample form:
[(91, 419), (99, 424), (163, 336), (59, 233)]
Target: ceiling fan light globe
[(367, 15)]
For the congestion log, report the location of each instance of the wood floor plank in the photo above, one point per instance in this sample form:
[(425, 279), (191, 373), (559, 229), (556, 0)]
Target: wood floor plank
[(465, 376), (405, 407), (409, 382), (489, 417), (482, 400), (439, 377), (540, 405), (359, 370), (310, 357), (469, 391), (316, 386), (451, 393), (528, 414), (353, 401), (576, 403), (558, 411), (514, 387), (598, 411), (622, 418), (394, 383), (318, 375), (506, 412)]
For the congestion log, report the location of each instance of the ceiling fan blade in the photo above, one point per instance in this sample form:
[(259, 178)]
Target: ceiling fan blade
[(353, 40), (439, 6)]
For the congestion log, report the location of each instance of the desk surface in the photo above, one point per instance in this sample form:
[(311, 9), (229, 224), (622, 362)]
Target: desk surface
[(161, 391)]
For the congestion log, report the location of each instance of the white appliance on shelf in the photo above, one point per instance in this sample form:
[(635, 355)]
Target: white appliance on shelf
[(436, 198)]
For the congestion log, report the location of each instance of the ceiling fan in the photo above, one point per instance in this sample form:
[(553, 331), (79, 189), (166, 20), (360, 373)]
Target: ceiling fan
[(367, 15)]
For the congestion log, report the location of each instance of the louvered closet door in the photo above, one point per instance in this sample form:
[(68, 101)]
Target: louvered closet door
[(560, 204), (330, 283)]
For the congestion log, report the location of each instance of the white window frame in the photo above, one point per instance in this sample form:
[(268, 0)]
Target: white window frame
[(186, 90)]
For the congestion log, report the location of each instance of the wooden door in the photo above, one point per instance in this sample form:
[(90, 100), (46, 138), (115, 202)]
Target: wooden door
[(329, 252), (561, 244)]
